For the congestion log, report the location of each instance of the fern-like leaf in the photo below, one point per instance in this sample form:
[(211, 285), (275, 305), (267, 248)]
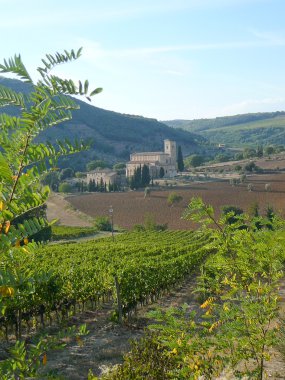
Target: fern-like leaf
[(58, 58), (9, 97), (16, 66), (9, 122)]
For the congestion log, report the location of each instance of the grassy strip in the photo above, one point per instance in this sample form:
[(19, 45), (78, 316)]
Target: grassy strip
[(67, 232)]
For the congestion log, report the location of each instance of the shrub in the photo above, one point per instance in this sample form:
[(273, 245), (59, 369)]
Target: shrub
[(233, 212), (102, 223), (252, 167), (65, 187), (138, 228), (194, 160), (92, 165), (250, 187), (174, 198), (66, 173)]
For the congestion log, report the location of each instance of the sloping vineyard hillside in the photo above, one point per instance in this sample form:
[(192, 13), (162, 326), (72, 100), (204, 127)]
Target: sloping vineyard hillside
[(133, 269)]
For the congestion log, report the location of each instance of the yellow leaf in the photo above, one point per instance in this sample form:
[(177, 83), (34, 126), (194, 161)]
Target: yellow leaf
[(207, 303), (204, 305), (209, 311), (214, 325), (225, 307), (45, 359), (7, 227), (6, 291), (26, 240), (2, 205)]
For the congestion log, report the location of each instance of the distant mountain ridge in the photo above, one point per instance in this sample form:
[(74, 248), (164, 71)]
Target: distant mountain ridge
[(112, 135), (240, 130)]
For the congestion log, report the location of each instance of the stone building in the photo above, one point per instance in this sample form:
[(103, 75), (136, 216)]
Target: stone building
[(155, 161), (108, 176)]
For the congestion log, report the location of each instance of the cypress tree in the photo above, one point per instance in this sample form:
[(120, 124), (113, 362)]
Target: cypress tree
[(161, 172), (145, 178), (180, 162), (101, 185), (138, 177), (132, 183)]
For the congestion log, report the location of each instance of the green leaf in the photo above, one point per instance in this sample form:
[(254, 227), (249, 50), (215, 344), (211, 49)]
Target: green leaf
[(96, 91), (86, 85), (16, 66), (5, 171)]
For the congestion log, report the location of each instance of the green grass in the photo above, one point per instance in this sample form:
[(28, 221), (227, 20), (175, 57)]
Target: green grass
[(67, 232)]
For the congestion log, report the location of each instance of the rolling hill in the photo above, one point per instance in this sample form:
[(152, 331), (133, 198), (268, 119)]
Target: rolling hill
[(112, 136), (239, 130)]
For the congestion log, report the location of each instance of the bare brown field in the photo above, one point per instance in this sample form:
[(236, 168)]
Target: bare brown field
[(130, 207)]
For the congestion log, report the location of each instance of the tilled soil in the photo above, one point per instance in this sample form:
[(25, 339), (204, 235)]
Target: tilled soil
[(130, 208)]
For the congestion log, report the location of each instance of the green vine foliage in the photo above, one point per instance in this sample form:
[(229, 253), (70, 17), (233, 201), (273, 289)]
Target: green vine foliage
[(233, 331), (22, 163)]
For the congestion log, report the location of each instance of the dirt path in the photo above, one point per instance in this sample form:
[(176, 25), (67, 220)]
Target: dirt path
[(58, 208), (107, 342)]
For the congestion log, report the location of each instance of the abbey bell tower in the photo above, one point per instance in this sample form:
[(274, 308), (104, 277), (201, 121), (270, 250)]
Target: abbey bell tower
[(170, 148)]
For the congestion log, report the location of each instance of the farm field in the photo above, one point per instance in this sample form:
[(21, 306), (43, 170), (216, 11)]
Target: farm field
[(130, 208)]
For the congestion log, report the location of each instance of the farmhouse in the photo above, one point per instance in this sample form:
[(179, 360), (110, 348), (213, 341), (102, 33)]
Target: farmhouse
[(155, 161), (107, 176)]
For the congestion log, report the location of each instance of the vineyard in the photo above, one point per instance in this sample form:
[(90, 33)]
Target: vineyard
[(134, 269), (238, 264), (238, 329)]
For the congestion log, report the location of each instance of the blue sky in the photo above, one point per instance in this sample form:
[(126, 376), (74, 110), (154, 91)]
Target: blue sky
[(166, 59)]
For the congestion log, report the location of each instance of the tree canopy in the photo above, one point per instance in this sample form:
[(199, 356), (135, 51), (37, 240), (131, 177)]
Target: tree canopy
[(23, 161)]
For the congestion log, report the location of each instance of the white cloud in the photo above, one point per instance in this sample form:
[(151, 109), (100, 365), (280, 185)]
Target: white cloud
[(269, 37), (95, 51)]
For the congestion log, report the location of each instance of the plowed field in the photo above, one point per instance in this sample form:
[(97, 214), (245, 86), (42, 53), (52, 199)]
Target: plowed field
[(130, 207)]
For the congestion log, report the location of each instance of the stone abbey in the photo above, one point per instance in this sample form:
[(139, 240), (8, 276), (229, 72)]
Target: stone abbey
[(155, 161)]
